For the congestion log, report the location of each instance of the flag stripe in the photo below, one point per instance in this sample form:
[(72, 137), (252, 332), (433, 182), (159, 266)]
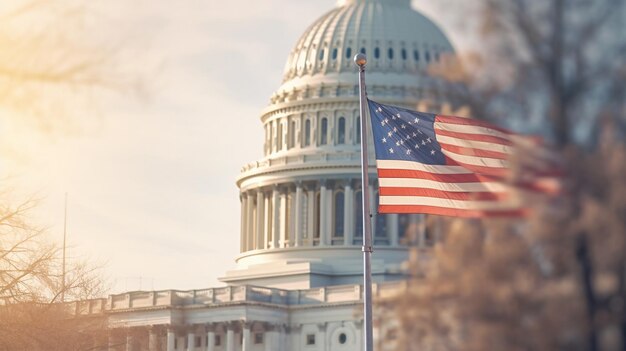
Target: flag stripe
[(471, 129), (434, 184), (467, 195), (474, 137), (445, 211), (402, 164), (442, 202), (468, 151), (470, 122), (476, 161), (448, 178), (474, 144)]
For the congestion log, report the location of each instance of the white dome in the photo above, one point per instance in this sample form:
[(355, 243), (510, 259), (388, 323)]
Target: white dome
[(398, 41), (301, 203)]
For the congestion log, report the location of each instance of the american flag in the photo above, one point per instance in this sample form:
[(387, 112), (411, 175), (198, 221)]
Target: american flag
[(444, 165)]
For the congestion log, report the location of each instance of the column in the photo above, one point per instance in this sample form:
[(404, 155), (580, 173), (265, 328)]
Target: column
[(268, 222), (298, 214), (191, 340), (129, 341), (246, 345), (250, 222), (230, 338), (348, 210), (210, 337), (260, 216), (171, 339), (270, 337), (421, 231), (323, 214), (392, 226), (111, 342), (283, 220), (322, 336), (311, 213), (244, 222), (276, 215), (153, 336)]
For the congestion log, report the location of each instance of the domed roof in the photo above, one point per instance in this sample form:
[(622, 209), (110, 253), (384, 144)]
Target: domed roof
[(398, 41)]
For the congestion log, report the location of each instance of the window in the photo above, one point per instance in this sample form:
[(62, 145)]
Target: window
[(310, 339), (324, 132), (416, 55), (348, 52), (258, 338), (358, 214), (390, 53), (307, 132), (343, 338), (358, 130), (334, 53), (427, 56), (321, 54), (292, 134), (403, 54), (198, 341), (279, 137), (341, 131), (376, 53), (363, 51), (218, 340), (338, 218)]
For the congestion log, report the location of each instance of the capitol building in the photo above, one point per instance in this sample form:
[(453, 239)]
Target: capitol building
[(298, 280)]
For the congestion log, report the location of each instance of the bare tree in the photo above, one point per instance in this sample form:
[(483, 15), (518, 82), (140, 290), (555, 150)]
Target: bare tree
[(556, 281), (32, 316)]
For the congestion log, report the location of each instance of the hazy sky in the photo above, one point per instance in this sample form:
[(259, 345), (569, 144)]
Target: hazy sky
[(151, 183)]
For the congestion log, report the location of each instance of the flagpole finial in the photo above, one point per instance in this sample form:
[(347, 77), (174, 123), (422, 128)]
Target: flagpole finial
[(360, 59)]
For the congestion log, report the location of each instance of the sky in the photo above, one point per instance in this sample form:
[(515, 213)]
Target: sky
[(151, 178)]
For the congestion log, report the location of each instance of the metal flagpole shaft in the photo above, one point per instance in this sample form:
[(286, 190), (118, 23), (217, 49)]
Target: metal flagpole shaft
[(361, 61)]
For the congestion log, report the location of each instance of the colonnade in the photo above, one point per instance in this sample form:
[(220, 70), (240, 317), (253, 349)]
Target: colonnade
[(224, 336), (315, 213)]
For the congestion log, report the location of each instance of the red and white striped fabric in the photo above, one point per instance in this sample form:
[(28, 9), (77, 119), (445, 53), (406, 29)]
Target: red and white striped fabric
[(454, 166)]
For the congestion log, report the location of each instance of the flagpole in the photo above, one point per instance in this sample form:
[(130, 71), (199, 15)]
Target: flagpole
[(361, 61)]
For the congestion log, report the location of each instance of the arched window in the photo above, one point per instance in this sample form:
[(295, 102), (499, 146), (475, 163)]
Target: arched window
[(341, 131), (376, 53), (307, 132), (358, 216), (338, 214), (358, 129), (348, 52), (324, 132), (321, 54), (363, 51), (403, 54), (279, 137), (416, 55), (334, 53), (292, 134), (390, 53)]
